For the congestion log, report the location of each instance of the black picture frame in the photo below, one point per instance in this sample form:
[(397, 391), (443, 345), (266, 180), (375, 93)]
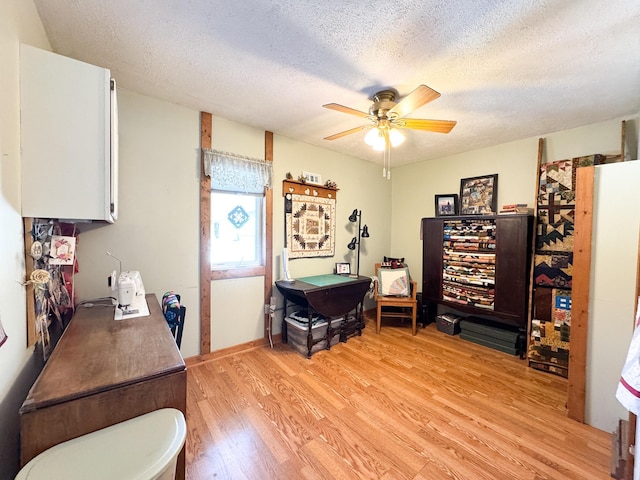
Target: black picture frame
[(446, 204), (479, 195), (343, 268)]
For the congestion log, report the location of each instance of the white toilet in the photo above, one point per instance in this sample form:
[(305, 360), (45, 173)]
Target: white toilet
[(143, 448)]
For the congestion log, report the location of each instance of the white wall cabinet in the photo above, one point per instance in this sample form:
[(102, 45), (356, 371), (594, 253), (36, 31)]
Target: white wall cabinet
[(69, 137)]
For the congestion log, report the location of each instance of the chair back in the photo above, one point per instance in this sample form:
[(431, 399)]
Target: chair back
[(177, 330), (395, 306), (174, 312), (412, 284)]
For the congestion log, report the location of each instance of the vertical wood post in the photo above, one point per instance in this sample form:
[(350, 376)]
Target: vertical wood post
[(205, 239), (533, 243), (576, 394), (623, 142), (32, 333), (268, 231)]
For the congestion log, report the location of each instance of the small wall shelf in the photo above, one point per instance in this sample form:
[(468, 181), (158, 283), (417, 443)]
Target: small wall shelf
[(299, 188)]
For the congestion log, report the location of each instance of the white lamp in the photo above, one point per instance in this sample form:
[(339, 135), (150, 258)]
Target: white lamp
[(381, 139), (395, 137), (375, 138)]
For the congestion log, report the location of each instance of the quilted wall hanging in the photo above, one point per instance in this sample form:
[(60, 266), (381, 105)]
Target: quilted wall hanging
[(309, 220), (553, 265)]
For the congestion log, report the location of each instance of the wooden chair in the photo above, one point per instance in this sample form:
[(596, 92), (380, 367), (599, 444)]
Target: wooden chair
[(395, 307)]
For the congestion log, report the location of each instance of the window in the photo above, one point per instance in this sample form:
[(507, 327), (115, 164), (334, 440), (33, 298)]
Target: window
[(237, 212), (237, 230)]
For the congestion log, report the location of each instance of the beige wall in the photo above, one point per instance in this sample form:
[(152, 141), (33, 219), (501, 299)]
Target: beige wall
[(414, 186), (157, 227), (157, 231), (237, 307), (612, 296), (19, 23), (360, 186)]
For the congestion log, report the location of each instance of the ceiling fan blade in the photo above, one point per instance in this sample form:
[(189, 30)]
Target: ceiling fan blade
[(419, 97), (343, 109), (347, 132), (439, 126)]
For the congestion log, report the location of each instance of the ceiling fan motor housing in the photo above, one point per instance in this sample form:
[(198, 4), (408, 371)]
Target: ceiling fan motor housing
[(383, 102)]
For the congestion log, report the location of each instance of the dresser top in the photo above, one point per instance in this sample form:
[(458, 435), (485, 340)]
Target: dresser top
[(97, 353)]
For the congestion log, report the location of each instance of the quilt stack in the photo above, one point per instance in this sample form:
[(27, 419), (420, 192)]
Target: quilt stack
[(469, 262), (553, 265)]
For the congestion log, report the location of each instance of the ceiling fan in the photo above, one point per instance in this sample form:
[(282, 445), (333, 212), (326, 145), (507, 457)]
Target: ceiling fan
[(386, 116), (384, 112)]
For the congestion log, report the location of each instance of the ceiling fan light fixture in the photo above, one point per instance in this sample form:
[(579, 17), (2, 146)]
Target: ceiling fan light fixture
[(395, 137), (379, 145), (373, 137)]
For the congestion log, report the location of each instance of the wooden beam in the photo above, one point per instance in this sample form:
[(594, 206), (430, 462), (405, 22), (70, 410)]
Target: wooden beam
[(623, 141), (32, 333), (268, 146), (205, 239), (268, 232), (533, 242), (576, 392)]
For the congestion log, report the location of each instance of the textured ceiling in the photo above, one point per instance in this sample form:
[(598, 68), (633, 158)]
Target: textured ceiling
[(506, 70)]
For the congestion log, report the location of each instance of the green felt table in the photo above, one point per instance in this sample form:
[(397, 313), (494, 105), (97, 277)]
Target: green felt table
[(330, 295), (327, 279)]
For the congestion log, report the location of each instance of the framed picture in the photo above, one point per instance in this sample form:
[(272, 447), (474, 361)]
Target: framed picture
[(479, 195), (342, 268), (314, 178), (446, 204)]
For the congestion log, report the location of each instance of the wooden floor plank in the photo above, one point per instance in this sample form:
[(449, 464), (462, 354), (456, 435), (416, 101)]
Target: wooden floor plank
[(385, 406)]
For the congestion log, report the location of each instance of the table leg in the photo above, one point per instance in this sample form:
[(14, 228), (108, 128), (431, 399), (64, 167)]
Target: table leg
[(329, 333), (283, 333), (309, 334), (344, 330)]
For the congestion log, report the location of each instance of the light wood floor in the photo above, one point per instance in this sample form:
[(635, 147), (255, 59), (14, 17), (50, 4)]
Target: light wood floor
[(387, 406)]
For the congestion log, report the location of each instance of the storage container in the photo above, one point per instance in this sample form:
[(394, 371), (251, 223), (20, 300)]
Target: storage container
[(448, 323), (142, 448), (484, 333), (297, 330)]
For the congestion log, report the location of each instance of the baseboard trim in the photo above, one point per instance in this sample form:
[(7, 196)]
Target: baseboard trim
[(225, 352), (244, 347)]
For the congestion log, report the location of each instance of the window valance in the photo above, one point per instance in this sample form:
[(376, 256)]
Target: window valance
[(236, 173)]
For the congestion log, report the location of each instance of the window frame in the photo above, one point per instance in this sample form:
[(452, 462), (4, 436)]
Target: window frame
[(206, 276), (260, 240), (235, 271)]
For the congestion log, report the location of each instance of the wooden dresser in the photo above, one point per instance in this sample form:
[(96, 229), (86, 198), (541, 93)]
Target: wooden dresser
[(103, 372), (513, 238)]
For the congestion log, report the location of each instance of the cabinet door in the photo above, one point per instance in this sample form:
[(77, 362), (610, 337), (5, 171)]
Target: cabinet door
[(432, 231), (513, 247), (65, 137)]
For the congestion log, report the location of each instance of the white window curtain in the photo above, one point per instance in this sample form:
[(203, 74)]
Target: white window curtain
[(235, 173)]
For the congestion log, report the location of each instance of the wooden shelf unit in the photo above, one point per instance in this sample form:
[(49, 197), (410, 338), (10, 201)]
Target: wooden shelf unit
[(513, 237)]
